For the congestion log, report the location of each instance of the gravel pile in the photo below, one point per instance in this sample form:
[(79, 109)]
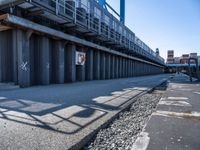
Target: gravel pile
[(123, 131)]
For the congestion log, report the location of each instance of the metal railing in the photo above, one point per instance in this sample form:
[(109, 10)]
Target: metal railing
[(90, 16)]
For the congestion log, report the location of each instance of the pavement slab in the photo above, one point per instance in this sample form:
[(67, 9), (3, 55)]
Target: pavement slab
[(63, 116)]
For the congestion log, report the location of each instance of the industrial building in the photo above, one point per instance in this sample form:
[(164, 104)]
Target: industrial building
[(59, 41)]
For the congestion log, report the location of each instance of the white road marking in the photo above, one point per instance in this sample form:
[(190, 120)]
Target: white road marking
[(141, 142), (174, 103), (196, 93), (178, 98)]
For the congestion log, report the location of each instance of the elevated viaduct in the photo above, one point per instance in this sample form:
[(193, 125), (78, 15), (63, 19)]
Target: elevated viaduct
[(60, 41)]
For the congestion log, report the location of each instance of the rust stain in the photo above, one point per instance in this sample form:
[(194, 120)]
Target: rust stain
[(187, 115)]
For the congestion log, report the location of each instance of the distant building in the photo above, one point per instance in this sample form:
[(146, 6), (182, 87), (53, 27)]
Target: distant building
[(184, 59), (177, 64), (177, 60), (170, 56)]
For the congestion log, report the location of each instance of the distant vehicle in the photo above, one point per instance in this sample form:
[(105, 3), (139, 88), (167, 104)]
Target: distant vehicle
[(183, 71)]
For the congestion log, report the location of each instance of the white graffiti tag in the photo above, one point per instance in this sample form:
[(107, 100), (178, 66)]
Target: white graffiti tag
[(23, 66)]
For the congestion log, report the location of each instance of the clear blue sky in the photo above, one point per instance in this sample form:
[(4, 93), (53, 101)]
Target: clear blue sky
[(166, 24)]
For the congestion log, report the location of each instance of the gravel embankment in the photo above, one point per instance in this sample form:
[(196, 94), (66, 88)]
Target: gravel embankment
[(123, 131)]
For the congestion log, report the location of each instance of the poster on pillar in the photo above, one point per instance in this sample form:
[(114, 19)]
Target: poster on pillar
[(80, 58)]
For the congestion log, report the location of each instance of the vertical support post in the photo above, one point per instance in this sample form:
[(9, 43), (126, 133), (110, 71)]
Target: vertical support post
[(70, 63), (120, 67), (89, 64), (124, 67), (116, 67), (103, 65), (60, 61), (23, 49), (108, 66), (45, 61), (1, 54), (112, 75), (130, 68), (15, 60), (80, 70), (96, 66)]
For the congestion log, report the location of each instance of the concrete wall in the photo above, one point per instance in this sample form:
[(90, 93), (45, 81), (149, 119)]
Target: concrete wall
[(29, 59)]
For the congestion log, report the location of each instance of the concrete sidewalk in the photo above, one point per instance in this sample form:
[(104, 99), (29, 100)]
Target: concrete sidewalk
[(176, 123), (60, 116)]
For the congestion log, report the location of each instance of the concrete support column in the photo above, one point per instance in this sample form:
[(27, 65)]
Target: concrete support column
[(140, 69), (24, 58), (145, 69), (15, 56), (130, 68), (116, 67), (1, 55), (80, 70), (136, 68), (120, 67), (127, 67), (124, 67), (70, 63), (96, 66), (103, 66), (45, 61), (59, 62), (133, 74), (89, 64), (108, 66), (112, 63)]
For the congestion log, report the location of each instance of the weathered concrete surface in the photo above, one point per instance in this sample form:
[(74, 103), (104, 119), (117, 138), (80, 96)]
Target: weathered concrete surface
[(176, 123), (59, 116)]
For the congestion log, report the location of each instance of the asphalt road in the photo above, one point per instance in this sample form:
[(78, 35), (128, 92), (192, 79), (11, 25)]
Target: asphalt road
[(176, 123), (60, 116)]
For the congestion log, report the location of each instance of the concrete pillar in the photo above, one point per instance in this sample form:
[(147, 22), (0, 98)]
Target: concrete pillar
[(80, 70), (124, 67), (44, 49), (130, 68), (116, 67), (70, 63), (112, 63), (15, 56), (136, 68), (59, 56), (96, 66), (142, 68), (120, 67), (1, 54), (133, 71), (108, 66), (103, 66), (127, 67), (89, 64), (145, 69), (23, 49)]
